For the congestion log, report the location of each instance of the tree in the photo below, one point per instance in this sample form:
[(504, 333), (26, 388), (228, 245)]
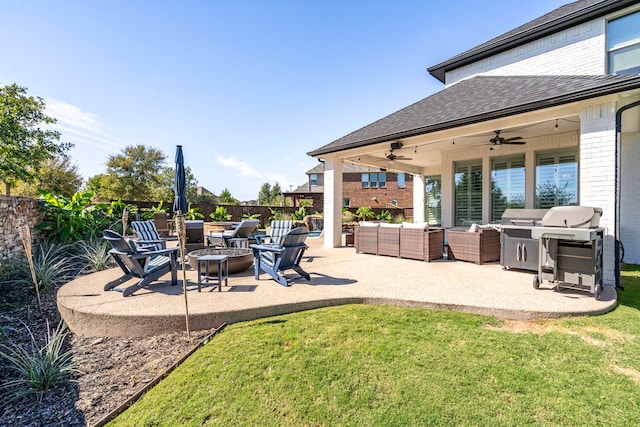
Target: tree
[(57, 176), (165, 191), (24, 146), (225, 198), (270, 196), (135, 174)]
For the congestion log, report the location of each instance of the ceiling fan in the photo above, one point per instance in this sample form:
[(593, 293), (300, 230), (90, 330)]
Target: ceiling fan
[(396, 146), (499, 140)]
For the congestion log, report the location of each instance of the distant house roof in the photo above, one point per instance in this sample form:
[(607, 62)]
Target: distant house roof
[(346, 168), (479, 99), (564, 17)]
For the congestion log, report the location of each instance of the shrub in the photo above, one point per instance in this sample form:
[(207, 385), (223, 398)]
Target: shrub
[(365, 212), (38, 368), (220, 214), (52, 263), (299, 214), (72, 219), (95, 255), (384, 216)]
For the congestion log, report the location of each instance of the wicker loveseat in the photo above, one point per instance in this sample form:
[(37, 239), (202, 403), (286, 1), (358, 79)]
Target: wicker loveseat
[(478, 246), (406, 240)]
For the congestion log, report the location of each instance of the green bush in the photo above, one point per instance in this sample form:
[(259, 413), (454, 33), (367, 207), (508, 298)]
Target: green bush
[(72, 219), (384, 216), (52, 262), (95, 255), (220, 214), (38, 368), (365, 212), (299, 214)]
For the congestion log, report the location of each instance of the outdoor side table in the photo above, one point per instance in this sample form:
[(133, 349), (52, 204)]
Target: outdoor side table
[(348, 239), (238, 242), (223, 270)]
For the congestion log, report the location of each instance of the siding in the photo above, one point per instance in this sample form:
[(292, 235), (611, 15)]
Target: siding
[(576, 51)]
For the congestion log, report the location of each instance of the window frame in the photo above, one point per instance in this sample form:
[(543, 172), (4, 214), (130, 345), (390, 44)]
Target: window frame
[(373, 180), (629, 44), (557, 155), (404, 180), (514, 164), (433, 199), (472, 193)]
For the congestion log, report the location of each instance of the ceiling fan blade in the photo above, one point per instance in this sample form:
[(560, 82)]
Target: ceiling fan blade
[(515, 138), (514, 142)]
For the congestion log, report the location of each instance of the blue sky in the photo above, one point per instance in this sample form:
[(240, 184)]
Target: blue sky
[(246, 87)]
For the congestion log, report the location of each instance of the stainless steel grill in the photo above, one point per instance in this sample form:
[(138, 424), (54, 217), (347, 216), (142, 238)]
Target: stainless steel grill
[(517, 248), (570, 252)]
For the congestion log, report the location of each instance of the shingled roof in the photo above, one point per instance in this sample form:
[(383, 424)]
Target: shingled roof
[(478, 99), (564, 17)]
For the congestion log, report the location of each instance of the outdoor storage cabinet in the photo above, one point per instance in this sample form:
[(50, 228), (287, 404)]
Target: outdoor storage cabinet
[(478, 247), (517, 248)]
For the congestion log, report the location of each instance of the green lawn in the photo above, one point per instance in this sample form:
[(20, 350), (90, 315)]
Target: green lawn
[(391, 366)]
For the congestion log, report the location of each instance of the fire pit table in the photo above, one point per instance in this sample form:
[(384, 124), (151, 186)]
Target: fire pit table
[(239, 258)]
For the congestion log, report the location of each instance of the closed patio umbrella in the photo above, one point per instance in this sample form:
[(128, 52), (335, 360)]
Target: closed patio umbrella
[(180, 208)]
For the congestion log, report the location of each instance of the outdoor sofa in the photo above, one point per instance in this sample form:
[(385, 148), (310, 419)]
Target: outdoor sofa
[(406, 240), (477, 245)]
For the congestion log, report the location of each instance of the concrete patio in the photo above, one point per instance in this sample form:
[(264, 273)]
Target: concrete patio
[(338, 276)]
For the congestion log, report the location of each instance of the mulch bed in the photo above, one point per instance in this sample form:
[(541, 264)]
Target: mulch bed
[(112, 370)]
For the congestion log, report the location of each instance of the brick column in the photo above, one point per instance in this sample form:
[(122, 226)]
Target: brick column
[(419, 189), (597, 172), (332, 203)]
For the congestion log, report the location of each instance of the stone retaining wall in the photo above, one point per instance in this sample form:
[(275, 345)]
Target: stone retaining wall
[(11, 210)]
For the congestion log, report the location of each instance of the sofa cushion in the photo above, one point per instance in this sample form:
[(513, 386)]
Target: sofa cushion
[(418, 225), (387, 225)]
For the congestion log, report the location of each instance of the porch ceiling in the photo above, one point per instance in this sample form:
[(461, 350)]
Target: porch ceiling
[(468, 113), (423, 152)]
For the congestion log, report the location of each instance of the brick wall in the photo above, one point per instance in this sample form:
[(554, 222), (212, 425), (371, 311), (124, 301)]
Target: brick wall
[(358, 196), (11, 210), (576, 51)]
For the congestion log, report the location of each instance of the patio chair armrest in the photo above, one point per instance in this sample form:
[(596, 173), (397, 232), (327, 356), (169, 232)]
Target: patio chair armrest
[(152, 242), (267, 247)]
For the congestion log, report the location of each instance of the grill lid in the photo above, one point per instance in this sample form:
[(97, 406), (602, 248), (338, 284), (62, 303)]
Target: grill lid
[(522, 217), (572, 217)]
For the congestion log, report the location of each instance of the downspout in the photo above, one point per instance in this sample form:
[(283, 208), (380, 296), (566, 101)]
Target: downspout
[(616, 213)]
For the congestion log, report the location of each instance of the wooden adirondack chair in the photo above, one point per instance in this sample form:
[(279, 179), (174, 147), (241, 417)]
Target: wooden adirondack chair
[(148, 235), (274, 259), (146, 264), (279, 229)]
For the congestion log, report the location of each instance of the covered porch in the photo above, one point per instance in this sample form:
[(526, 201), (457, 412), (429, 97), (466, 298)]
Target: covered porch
[(491, 143)]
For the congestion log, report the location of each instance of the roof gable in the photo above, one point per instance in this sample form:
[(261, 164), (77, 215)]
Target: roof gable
[(479, 99), (564, 17)]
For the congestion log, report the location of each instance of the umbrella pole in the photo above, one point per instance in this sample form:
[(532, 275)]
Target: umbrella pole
[(182, 237)]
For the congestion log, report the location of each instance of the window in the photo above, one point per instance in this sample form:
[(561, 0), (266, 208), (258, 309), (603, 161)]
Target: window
[(507, 185), (433, 186), (556, 179), (313, 179), (374, 179), (623, 44), (345, 202), (468, 199), (365, 180), (401, 180)]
